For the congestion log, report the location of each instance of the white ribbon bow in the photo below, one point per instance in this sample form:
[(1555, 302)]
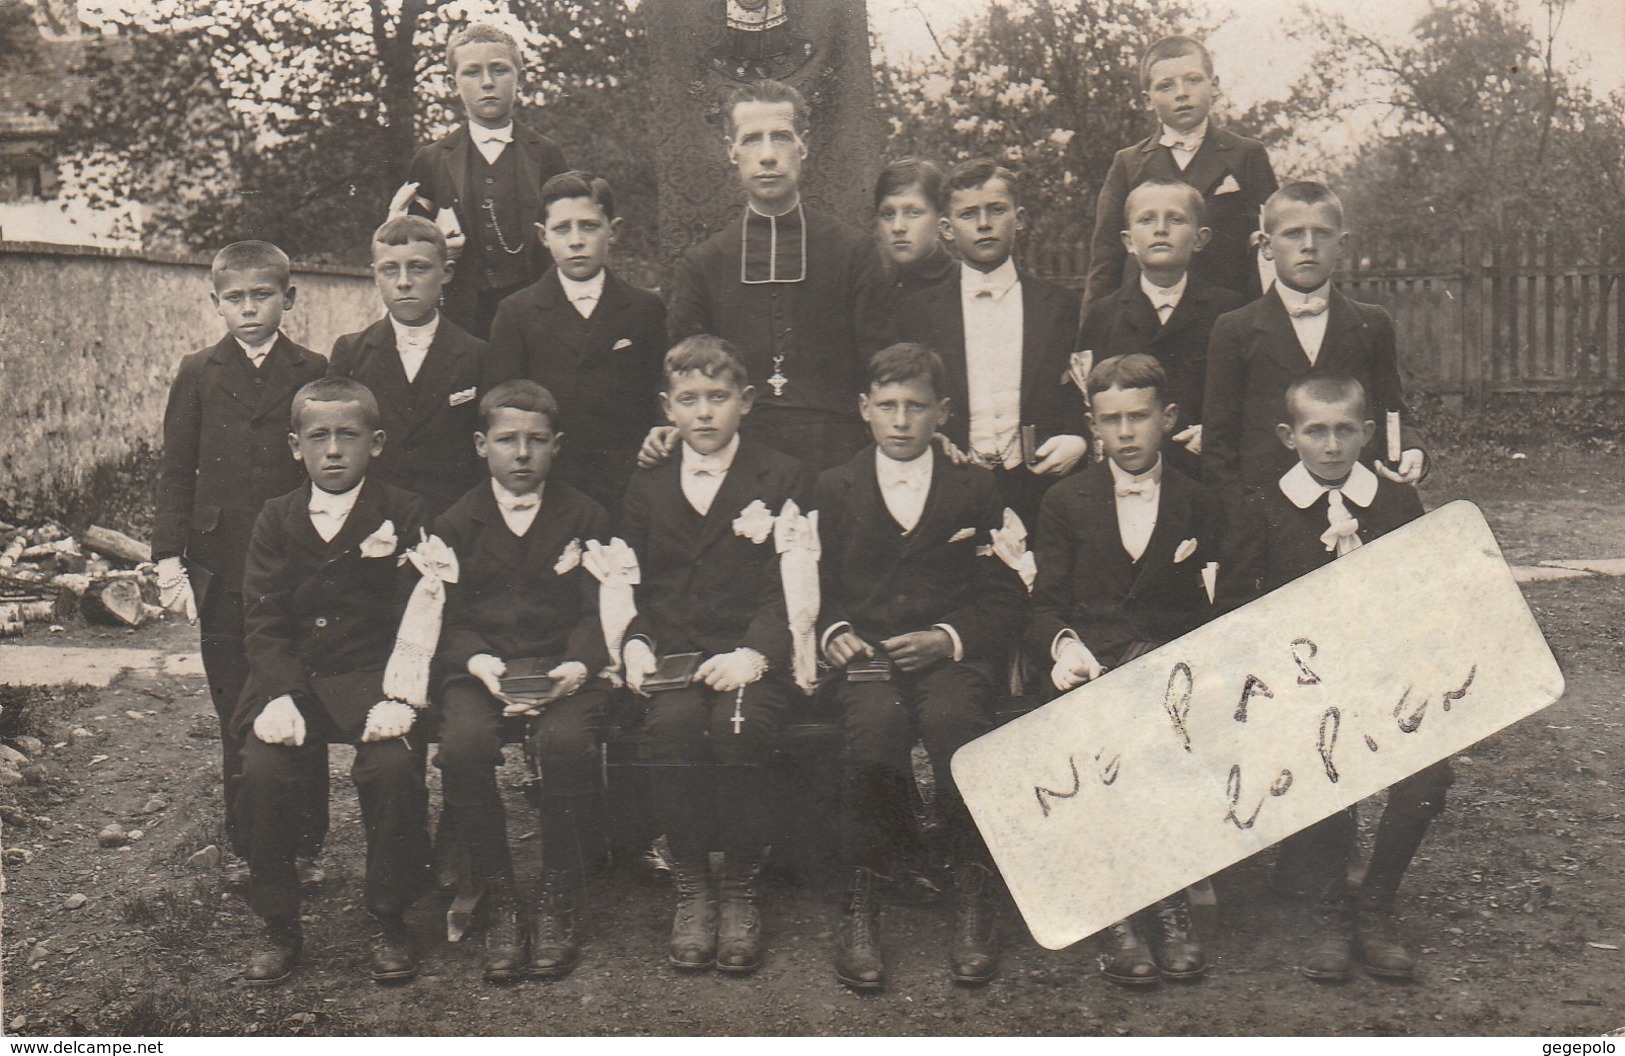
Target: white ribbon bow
[(615, 567), (1343, 535), (795, 538), (406, 677)]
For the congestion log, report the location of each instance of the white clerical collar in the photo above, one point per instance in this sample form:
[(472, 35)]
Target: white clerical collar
[(717, 462), (915, 469), (1164, 294), (995, 283), (257, 352), (1293, 299), (580, 289), (1191, 139), (417, 336), (1123, 476), (508, 499), (1302, 489), (335, 503)]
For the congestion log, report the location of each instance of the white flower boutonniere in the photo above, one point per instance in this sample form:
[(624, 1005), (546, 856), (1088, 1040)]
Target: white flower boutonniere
[(381, 543), (754, 522), (569, 558)]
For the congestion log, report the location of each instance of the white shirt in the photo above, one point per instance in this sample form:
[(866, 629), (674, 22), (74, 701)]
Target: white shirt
[(1164, 298), (904, 486), (412, 343), (583, 294), (329, 510), (256, 353), (491, 142), (518, 511), (702, 475), (1184, 145), (1137, 499), (991, 304), (1311, 329)]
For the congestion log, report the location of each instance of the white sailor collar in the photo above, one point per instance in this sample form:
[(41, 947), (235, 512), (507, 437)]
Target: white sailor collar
[(1302, 489)]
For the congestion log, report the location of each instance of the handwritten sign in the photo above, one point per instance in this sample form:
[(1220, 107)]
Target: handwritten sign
[(1258, 724)]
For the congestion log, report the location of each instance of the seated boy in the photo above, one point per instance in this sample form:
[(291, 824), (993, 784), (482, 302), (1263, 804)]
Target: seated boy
[(1231, 172), (523, 603), (591, 338), (325, 598), (710, 585), (919, 611), (1167, 310), (1120, 553), (1301, 326), (1006, 339), (423, 368), (908, 224), (1326, 505)]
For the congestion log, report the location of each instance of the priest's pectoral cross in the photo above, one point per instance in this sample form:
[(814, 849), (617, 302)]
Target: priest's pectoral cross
[(777, 379), (739, 698)]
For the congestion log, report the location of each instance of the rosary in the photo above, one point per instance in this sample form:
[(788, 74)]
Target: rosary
[(491, 210), (739, 711)]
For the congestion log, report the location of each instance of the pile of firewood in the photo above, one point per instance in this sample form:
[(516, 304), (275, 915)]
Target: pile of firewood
[(49, 576)]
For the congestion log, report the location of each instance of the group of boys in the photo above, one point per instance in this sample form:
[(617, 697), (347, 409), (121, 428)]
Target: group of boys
[(856, 439)]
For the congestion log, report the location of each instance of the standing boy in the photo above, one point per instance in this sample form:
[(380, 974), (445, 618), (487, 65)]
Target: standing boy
[(1232, 172), (423, 368), (1167, 311), (1302, 326), (908, 224), (702, 527), (523, 603), (1006, 339), (326, 595), (484, 180), (594, 340), (225, 454), (1325, 506), (918, 617), (1120, 553)]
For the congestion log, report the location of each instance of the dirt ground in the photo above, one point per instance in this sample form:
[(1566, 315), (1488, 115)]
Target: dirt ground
[(1514, 904)]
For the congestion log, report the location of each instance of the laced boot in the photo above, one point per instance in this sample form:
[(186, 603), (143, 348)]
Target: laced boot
[(739, 928), (974, 957), (393, 960), (694, 925), (1377, 940), (505, 935), (1330, 951), (1125, 959), (277, 959), (1174, 945), (553, 947), (857, 942)]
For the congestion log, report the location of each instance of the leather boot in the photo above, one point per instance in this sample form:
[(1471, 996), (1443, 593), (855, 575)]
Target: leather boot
[(739, 926), (393, 960), (506, 935), (1174, 946), (1377, 940), (553, 948), (857, 941), (1330, 951), (694, 924), (279, 956), (1125, 959), (974, 956)]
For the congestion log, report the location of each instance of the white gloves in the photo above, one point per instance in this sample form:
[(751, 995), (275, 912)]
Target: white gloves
[(281, 723), (640, 663), (489, 670), (1191, 437), (388, 718), (727, 672), (175, 589), (1058, 454), (1074, 665)]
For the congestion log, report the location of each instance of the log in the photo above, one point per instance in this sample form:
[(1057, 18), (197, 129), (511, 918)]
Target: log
[(14, 550), (116, 545), (113, 601), (11, 621)]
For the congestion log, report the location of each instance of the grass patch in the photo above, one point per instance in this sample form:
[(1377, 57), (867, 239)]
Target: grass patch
[(38, 710), (194, 1006), (174, 919)]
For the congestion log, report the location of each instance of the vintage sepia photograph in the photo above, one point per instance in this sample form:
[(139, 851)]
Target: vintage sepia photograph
[(811, 518)]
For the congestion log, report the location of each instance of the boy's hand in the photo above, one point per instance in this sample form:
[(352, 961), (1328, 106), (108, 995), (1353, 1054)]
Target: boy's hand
[(1058, 454), (727, 672), (281, 723), (1191, 437), (640, 663), (401, 204), (567, 678), (657, 446), (1411, 463), (175, 589), (388, 719), (845, 648), (919, 649), (489, 670), (951, 449), (446, 221), (1074, 665)]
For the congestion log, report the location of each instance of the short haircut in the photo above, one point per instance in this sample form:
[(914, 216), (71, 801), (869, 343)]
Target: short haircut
[(252, 255), (1325, 388), (520, 394), (578, 184), (1307, 192), (404, 230), (766, 92), (479, 33), (1133, 371), (709, 355), (977, 172), (1174, 47), (335, 389), (905, 174), (1192, 196), (908, 362)]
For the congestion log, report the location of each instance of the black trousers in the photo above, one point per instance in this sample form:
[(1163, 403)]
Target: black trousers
[(388, 778), (822, 439)]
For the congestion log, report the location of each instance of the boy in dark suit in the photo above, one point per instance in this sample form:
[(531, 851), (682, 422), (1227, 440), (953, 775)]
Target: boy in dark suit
[(1167, 311), (225, 454), (1006, 339), (523, 600), (911, 592), (1326, 505), (423, 368), (592, 339), (1302, 326), (325, 598), (702, 527), (1120, 555), (1232, 173), (908, 224), (483, 182)]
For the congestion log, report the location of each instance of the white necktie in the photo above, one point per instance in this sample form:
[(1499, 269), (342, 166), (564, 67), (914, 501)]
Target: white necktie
[(1145, 489), (1165, 306), (328, 512), (1343, 534), (1173, 142), (1313, 306), (519, 503)]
